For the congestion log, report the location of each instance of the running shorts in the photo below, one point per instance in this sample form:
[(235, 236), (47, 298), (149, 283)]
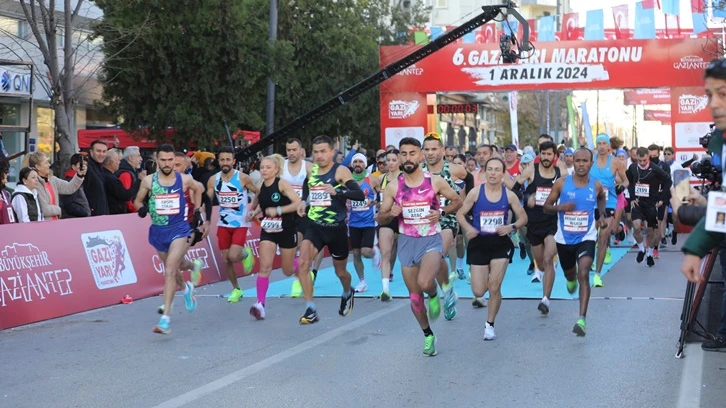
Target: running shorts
[(449, 222), (362, 237), (411, 250), (301, 224), (335, 238), (662, 211), (609, 213), (161, 236), (284, 239), (231, 236), (484, 249), (570, 254), (645, 212), (622, 202), (537, 232)]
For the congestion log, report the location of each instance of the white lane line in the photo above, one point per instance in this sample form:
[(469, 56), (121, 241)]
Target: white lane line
[(689, 394), (241, 374)]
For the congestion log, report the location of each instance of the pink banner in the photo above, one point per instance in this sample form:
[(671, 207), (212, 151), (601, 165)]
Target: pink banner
[(663, 116), (647, 96)]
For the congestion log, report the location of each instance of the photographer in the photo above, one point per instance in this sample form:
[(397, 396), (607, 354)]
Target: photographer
[(703, 239)]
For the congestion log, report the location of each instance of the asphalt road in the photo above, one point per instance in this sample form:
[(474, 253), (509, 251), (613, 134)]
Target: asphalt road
[(219, 356)]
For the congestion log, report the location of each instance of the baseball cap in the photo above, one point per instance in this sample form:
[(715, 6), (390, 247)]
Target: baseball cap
[(190, 153), (511, 147), (519, 152), (527, 158)]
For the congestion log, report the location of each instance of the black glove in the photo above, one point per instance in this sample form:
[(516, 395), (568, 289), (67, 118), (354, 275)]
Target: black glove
[(619, 189), (197, 221), (143, 211)]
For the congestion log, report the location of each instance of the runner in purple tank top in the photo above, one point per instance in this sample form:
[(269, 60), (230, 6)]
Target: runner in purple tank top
[(414, 201)]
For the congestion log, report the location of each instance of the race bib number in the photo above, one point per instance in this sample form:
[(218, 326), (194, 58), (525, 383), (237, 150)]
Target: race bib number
[(414, 213), (442, 202), (11, 214), (642, 190), (626, 193), (228, 199), (319, 197), (541, 195), (489, 221), (359, 205), (298, 190), (716, 212), (576, 221), (167, 204), (271, 225)]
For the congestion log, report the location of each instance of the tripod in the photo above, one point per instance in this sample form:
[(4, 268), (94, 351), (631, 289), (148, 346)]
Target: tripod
[(692, 302)]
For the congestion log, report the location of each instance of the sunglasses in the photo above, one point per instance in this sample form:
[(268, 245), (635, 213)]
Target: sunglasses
[(433, 135)]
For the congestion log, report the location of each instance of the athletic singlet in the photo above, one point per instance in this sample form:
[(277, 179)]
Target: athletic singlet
[(271, 197), (606, 177), (446, 175), (541, 188), (232, 200), (459, 185), (325, 210), (297, 181), (488, 216), (415, 203), (578, 225), (361, 215), (167, 204)]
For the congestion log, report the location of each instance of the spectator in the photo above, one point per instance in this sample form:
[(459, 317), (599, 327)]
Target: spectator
[(116, 194), (51, 187), (93, 184), (75, 205), (127, 173), (25, 198), (7, 216)]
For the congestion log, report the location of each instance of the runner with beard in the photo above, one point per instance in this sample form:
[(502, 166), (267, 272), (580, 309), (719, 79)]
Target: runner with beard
[(541, 227), (388, 232), (362, 223), (649, 187), (434, 152), (654, 153), (230, 187), (169, 232), (414, 200)]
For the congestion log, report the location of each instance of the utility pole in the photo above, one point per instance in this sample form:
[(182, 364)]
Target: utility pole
[(270, 117)]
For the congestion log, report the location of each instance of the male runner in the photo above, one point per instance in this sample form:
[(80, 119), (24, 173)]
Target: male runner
[(649, 186), (511, 160), (669, 157), (169, 231), (483, 154), (361, 223), (654, 153), (573, 199), (557, 162), (434, 152), (330, 185), (541, 227), (611, 175), (414, 200), (570, 160), (231, 187)]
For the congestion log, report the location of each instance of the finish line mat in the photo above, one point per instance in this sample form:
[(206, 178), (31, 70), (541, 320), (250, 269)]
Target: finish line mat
[(517, 284)]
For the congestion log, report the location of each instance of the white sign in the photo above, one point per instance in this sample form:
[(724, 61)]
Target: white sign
[(109, 259), (395, 134), (690, 104), (687, 134), (716, 212), (12, 83), (20, 279), (400, 109)]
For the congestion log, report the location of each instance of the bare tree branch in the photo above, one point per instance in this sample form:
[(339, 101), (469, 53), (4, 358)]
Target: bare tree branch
[(33, 23), (75, 12)]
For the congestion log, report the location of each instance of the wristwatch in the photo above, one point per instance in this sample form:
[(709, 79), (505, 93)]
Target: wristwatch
[(443, 213)]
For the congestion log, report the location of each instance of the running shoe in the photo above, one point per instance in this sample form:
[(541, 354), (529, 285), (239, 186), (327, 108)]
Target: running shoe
[(580, 327), (377, 258), (296, 290), (189, 300), (385, 296), (160, 310), (522, 250), (544, 307), (310, 316), (434, 308), (530, 270), (663, 242), (608, 257), (362, 287), (390, 278), (460, 275), (346, 304), (656, 254), (429, 345), (674, 238), (537, 278), (597, 281), (650, 261), (257, 311), (196, 276), (450, 298), (489, 333), (479, 303), (572, 286), (235, 296), (163, 326), (620, 236), (640, 257), (248, 262)]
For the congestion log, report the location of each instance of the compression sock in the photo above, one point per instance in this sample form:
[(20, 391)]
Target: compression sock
[(263, 283)]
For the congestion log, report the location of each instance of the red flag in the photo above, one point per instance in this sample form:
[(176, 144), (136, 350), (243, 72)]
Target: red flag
[(648, 4), (532, 30), (487, 34), (570, 27), (620, 15), (698, 6)]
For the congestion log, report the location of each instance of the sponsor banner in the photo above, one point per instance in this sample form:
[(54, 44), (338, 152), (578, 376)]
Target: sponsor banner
[(403, 115), (647, 97), (663, 116), (97, 263), (686, 134), (690, 116), (555, 65)]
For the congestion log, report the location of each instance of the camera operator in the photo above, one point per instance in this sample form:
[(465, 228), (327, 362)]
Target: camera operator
[(703, 240)]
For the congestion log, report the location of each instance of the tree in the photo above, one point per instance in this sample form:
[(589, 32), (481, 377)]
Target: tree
[(531, 116)]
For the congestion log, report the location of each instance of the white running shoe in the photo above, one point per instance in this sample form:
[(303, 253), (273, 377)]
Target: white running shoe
[(257, 311), (537, 277), (362, 287), (377, 257), (489, 333)]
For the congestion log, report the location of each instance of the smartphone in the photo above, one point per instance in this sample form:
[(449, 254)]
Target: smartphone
[(682, 184)]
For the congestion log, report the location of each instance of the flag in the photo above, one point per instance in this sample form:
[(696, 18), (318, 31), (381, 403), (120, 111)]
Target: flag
[(420, 38), (573, 123), (487, 34), (470, 38), (546, 30), (648, 4), (570, 27), (620, 16), (436, 32), (510, 27), (644, 22), (594, 25), (513, 117), (586, 125), (698, 11), (698, 6), (673, 25), (671, 7), (532, 29), (719, 8)]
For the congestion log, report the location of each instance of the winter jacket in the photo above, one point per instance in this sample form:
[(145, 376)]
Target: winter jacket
[(51, 208), (116, 194), (94, 188), (128, 177), (26, 205), (74, 205)]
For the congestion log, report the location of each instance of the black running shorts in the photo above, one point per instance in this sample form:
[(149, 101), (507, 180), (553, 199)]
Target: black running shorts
[(570, 254), (335, 238)]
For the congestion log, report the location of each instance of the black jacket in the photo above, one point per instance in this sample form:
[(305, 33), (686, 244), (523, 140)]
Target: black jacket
[(76, 204), (94, 189), (116, 194)]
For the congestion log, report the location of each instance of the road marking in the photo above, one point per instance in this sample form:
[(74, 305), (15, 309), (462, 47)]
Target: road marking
[(241, 374), (689, 394)]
